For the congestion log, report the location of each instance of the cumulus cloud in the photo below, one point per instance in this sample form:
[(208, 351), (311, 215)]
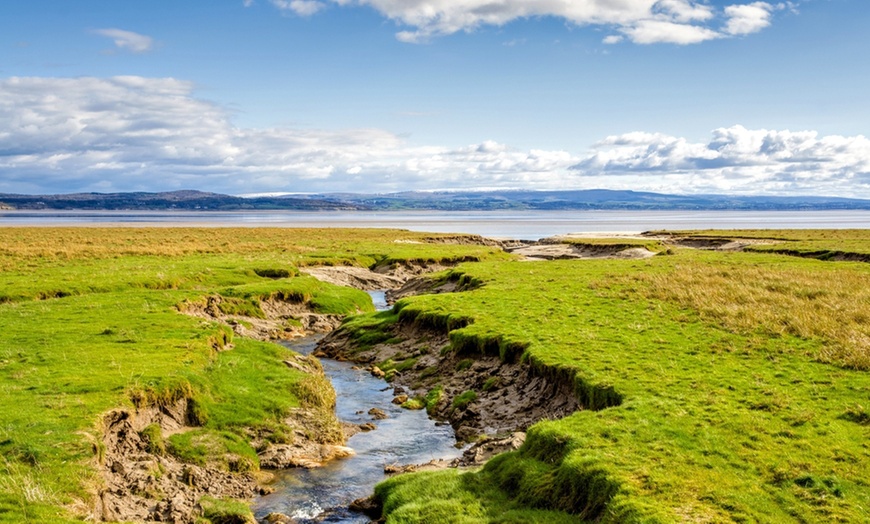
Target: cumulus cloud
[(134, 133), (128, 40), (641, 21), (749, 18), (661, 31), (739, 160)]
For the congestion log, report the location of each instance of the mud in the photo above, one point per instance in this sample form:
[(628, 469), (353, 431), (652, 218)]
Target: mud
[(284, 320), (555, 249), (508, 396), (143, 486)]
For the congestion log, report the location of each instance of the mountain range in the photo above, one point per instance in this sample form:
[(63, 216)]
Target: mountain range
[(592, 199)]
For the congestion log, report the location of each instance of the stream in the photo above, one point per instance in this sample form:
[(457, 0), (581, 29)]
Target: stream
[(405, 437)]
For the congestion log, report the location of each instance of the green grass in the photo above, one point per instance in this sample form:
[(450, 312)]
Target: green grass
[(222, 449), (692, 416), (433, 397), (90, 322), (464, 399), (617, 243), (222, 511), (815, 243), (451, 496)]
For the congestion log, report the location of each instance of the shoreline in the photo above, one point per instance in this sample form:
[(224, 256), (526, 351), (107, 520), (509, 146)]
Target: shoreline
[(519, 225)]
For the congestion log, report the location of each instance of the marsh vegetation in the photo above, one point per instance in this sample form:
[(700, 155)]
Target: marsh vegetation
[(715, 386)]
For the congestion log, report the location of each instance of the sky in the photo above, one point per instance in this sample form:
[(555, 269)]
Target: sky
[(310, 96)]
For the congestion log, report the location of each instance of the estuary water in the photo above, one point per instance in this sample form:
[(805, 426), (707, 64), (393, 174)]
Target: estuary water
[(405, 437), (523, 225)]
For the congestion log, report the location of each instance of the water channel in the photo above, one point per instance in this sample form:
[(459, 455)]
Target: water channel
[(405, 437)]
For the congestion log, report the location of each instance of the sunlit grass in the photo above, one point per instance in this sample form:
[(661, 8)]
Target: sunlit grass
[(812, 301), (90, 322), (725, 387)]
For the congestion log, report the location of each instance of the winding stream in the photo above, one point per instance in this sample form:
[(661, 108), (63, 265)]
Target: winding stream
[(406, 437)]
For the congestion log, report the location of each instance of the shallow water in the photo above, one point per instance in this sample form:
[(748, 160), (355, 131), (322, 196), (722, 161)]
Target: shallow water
[(526, 225), (406, 437)]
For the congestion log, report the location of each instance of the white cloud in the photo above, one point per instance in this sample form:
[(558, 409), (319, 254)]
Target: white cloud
[(134, 133), (128, 40), (642, 21), (300, 7), (749, 18), (740, 160), (663, 31), (684, 11)]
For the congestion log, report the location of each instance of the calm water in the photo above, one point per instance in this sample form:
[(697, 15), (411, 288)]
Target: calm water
[(406, 437), (527, 225)]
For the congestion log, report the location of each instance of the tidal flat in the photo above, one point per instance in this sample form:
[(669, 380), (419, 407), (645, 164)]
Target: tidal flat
[(723, 378)]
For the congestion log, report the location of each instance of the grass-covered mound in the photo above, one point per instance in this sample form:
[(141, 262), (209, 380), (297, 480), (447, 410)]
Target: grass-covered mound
[(90, 322), (825, 244), (723, 387)]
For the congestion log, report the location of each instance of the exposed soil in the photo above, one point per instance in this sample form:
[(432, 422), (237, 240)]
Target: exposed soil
[(711, 242), (508, 396), (356, 277), (554, 249), (141, 486), (386, 276), (146, 485), (284, 320)]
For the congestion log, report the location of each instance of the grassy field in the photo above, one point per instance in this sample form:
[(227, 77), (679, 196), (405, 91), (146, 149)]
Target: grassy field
[(722, 387), (815, 243), (89, 322)]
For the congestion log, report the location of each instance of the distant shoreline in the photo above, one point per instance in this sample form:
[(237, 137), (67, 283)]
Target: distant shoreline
[(524, 225)]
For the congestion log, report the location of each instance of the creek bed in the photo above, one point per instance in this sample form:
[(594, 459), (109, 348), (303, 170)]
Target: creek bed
[(405, 437)]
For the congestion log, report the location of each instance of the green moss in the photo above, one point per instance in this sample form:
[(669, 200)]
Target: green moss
[(462, 400), (464, 364), (400, 366), (433, 397), (225, 511), (491, 383), (222, 449), (241, 307), (276, 273), (153, 437), (369, 330), (414, 403)]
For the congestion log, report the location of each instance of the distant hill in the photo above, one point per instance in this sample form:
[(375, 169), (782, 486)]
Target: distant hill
[(434, 200), (175, 200), (588, 199)]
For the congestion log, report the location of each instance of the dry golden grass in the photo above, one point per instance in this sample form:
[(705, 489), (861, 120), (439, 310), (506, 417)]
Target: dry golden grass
[(831, 304), (298, 246)]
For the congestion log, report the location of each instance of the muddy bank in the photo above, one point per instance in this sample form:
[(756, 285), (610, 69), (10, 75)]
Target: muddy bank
[(741, 244), (385, 276), (477, 395), (564, 251), (707, 242), (392, 436), (144, 484), (572, 247), (283, 320)]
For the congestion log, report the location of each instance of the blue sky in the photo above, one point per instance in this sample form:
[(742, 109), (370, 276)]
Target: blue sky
[(240, 97)]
